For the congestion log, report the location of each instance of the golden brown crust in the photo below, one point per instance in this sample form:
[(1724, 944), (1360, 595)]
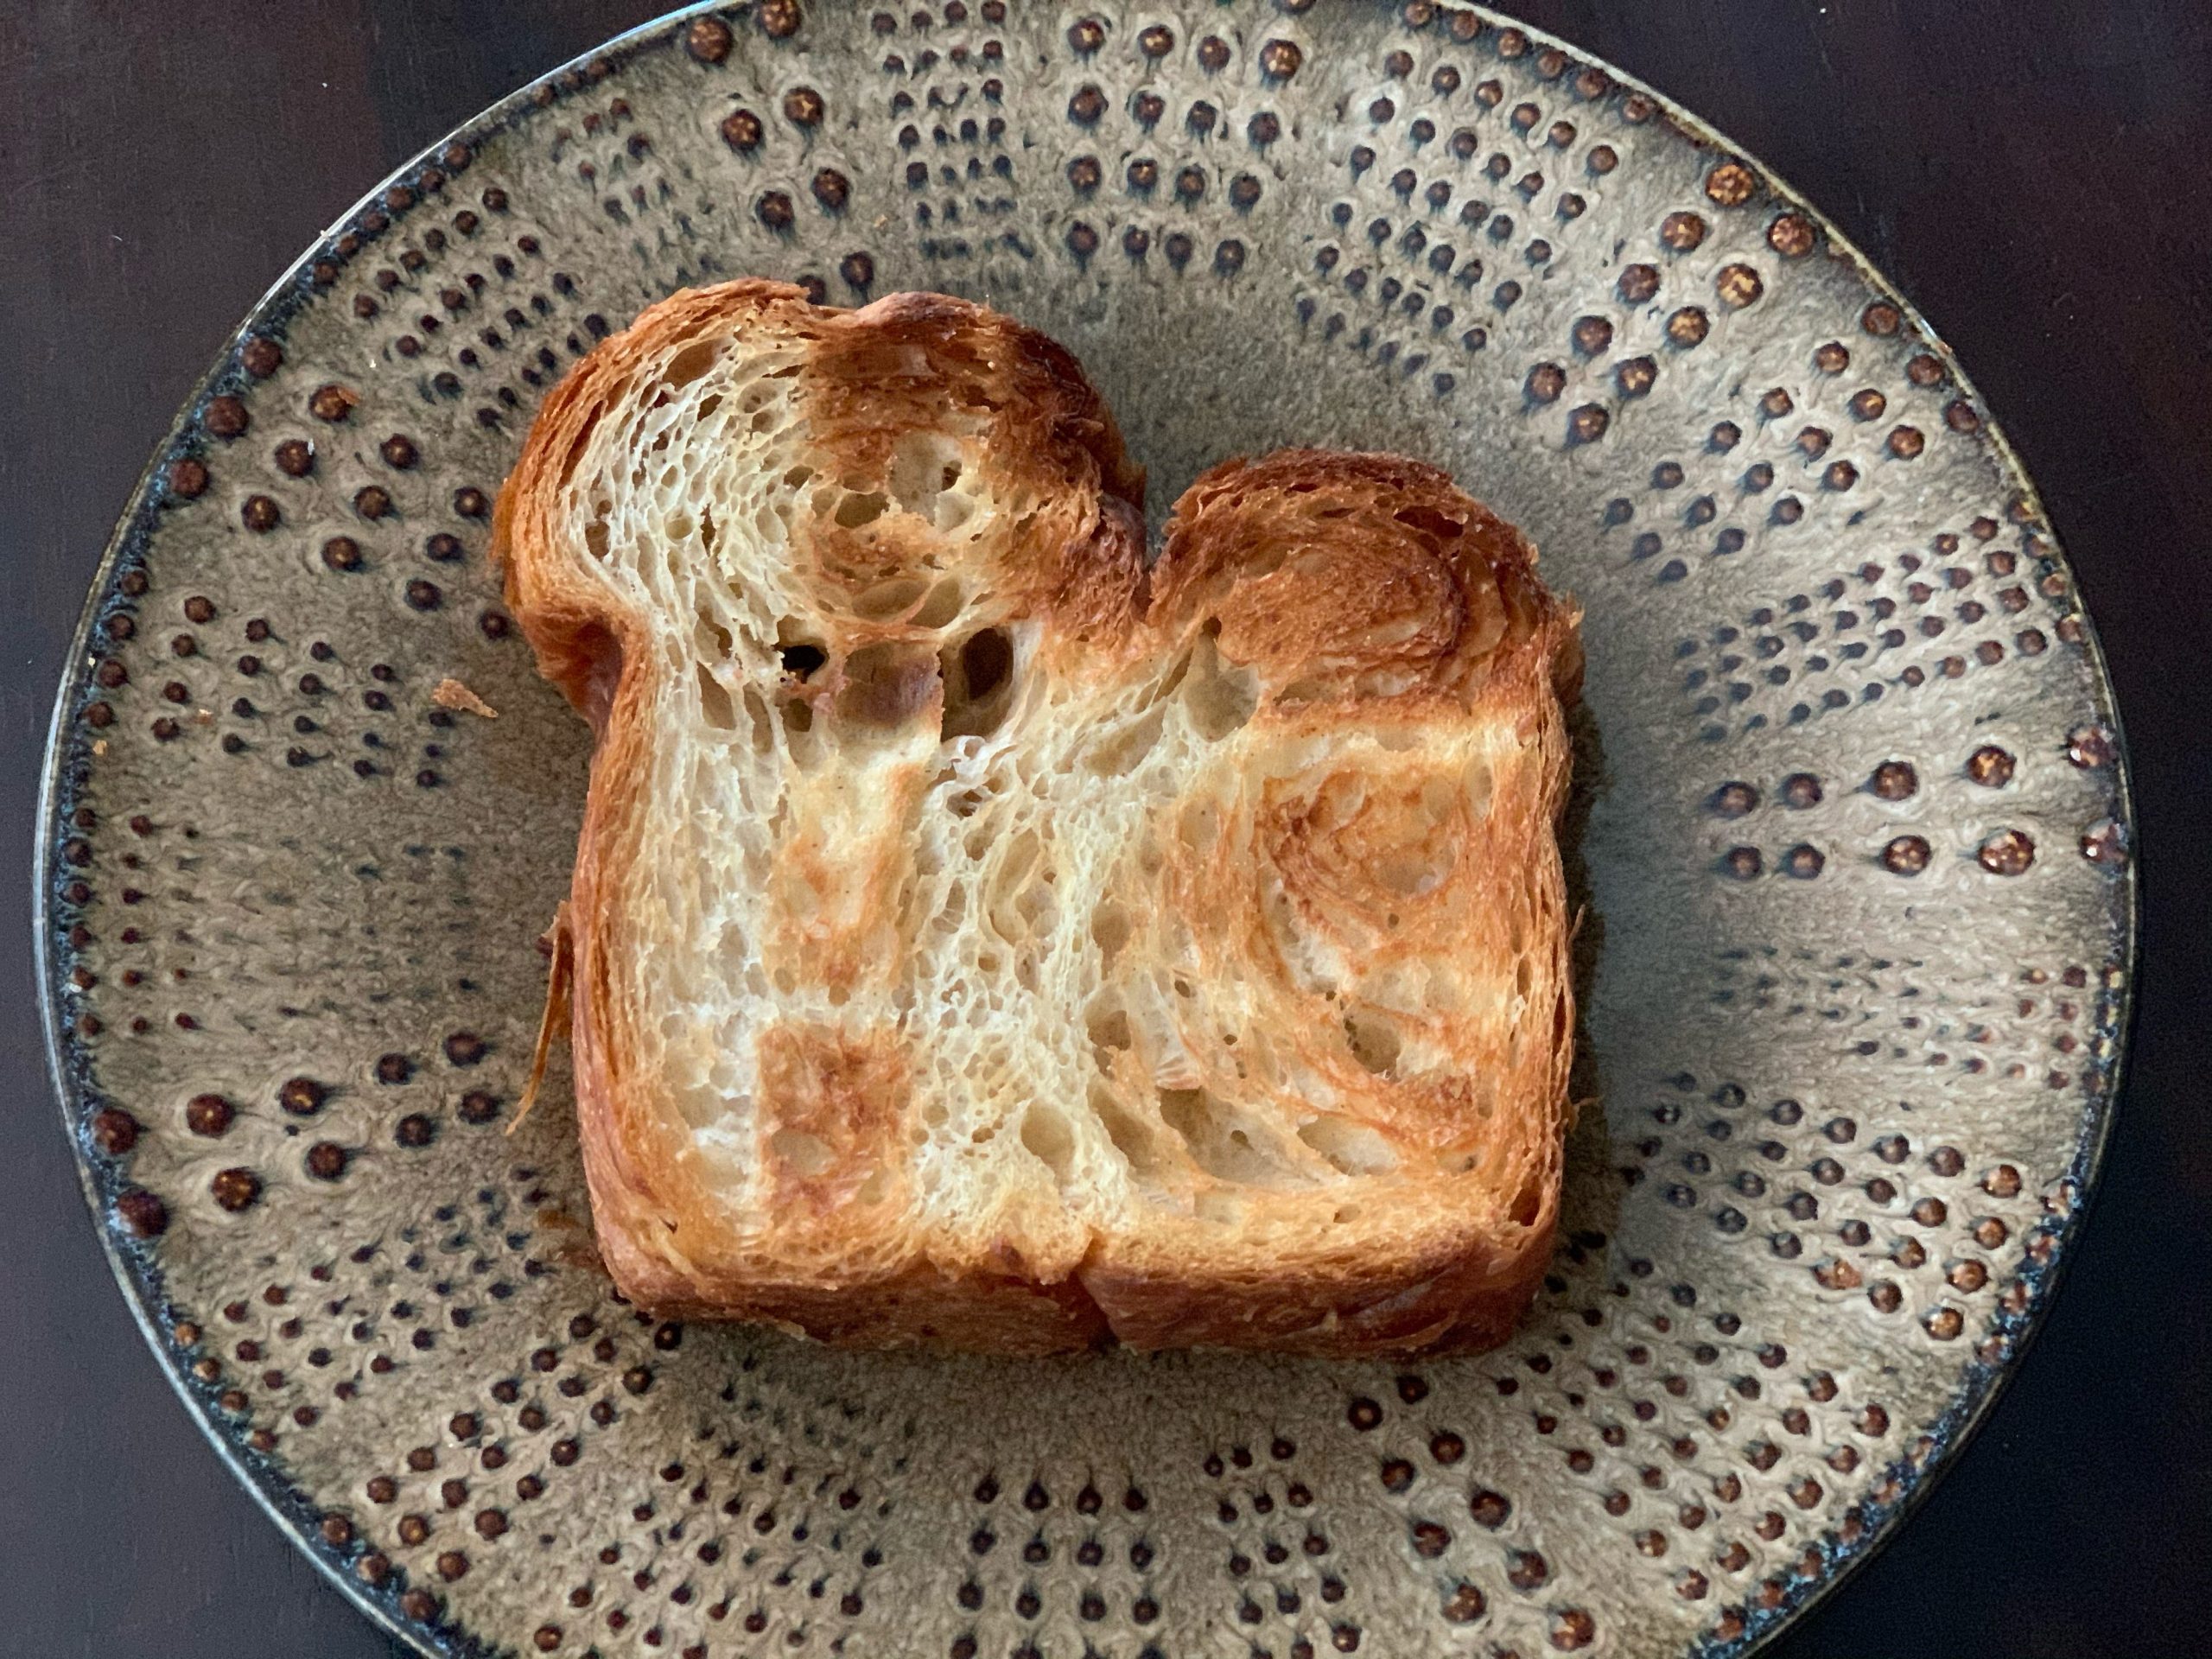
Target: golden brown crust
[(1366, 595), (1461, 1296)]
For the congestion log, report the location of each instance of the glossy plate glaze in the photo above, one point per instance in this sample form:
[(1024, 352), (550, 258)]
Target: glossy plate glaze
[(1851, 815)]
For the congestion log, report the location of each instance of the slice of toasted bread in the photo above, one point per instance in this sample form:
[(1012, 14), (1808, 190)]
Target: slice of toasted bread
[(978, 940)]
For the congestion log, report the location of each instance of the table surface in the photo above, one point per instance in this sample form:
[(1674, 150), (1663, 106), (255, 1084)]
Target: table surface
[(2027, 169)]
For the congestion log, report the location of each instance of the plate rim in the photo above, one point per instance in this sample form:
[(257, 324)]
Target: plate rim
[(139, 1276)]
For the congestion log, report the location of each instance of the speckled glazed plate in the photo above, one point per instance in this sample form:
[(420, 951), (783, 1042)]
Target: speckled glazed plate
[(1852, 823)]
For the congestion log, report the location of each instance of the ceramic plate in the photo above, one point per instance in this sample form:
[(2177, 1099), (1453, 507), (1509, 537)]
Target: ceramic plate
[(1851, 824)]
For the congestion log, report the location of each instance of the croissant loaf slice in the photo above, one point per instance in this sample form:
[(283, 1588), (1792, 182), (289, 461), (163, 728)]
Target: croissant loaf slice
[(977, 939)]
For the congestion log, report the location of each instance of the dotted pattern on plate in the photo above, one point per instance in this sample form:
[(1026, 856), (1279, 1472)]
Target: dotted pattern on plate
[(1849, 822)]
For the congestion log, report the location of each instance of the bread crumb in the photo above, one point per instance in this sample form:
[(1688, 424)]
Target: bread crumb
[(558, 943), (452, 694)]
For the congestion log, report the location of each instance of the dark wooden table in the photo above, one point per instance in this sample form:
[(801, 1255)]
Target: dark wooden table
[(2038, 174)]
